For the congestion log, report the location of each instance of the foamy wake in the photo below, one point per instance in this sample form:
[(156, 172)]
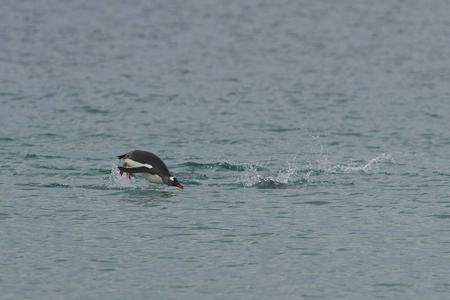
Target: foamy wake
[(252, 176), (304, 173)]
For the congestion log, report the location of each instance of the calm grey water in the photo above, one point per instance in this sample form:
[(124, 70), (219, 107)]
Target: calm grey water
[(312, 139)]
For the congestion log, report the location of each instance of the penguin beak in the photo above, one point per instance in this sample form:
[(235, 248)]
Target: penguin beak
[(175, 182), (177, 185)]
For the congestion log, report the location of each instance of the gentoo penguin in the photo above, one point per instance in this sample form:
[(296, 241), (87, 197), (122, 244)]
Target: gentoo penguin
[(150, 166)]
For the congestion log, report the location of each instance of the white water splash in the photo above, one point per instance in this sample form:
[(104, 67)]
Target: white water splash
[(382, 157), (251, 176), (120, 181), (371, 165), (285, 176)]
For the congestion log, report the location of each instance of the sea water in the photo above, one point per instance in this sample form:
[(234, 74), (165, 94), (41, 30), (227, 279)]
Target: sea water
[(311, 138)]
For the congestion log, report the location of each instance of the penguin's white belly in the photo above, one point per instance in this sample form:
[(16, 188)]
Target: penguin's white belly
[(147, 176), (151, 177)]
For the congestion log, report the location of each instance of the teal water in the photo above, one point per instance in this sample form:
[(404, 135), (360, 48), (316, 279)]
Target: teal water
[(311, 138)]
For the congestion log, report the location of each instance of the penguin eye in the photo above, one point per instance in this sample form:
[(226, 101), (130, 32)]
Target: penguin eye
[(172, 178)]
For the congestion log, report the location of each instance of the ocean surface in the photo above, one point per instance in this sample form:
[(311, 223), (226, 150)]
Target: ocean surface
[(312, 139)]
